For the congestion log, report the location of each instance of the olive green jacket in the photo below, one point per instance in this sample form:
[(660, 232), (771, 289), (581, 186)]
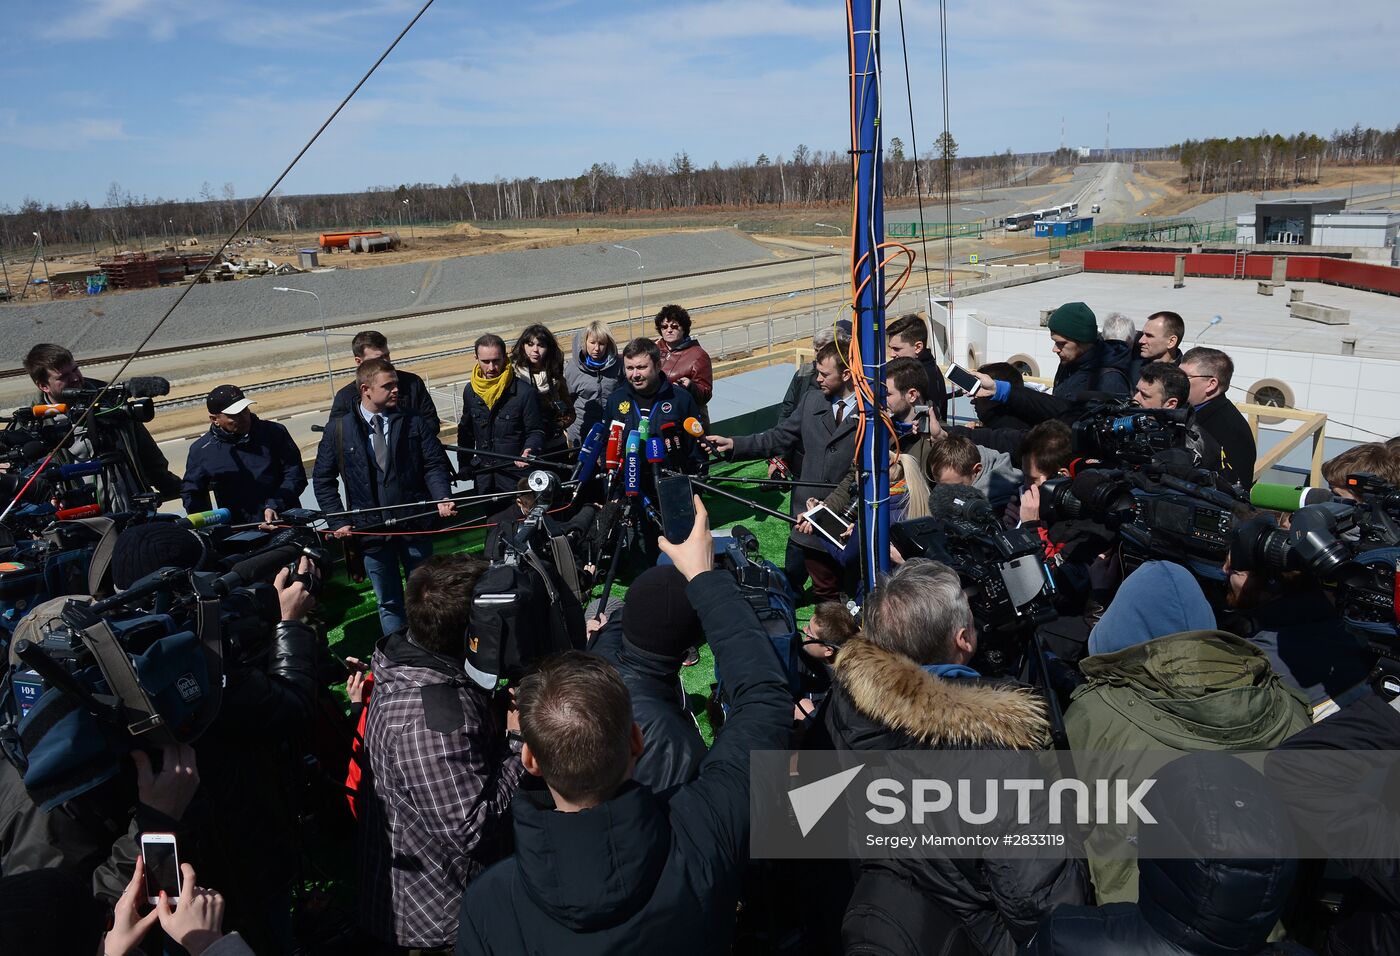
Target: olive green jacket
[(1193, 691)]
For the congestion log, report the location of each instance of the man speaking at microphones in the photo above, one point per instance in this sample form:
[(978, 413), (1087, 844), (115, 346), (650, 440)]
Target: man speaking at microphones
[(647, 397), (252, 466), (823, 425)]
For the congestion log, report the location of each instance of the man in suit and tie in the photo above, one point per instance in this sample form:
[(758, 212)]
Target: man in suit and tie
[(823, 425), (384, 455)]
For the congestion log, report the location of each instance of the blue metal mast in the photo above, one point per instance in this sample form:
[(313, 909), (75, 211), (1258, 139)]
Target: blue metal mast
[(868, 282)]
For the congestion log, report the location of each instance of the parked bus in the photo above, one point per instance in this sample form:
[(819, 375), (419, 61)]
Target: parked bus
[(1021, 220)]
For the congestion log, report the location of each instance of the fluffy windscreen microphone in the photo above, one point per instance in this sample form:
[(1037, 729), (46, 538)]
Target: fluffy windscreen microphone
[(147, 386), (958, 501)]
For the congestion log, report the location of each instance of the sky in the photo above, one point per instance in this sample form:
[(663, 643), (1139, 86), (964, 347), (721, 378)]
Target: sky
[(163, 96)]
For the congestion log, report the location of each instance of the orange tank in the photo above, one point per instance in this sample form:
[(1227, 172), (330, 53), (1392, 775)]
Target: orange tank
[(341, 240)]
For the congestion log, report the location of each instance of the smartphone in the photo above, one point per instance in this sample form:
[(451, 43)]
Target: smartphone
[(962, 378), (828, 524), (676, 502), (162, 861)]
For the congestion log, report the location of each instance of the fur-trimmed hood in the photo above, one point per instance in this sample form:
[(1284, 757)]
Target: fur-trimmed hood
[(894, 692)]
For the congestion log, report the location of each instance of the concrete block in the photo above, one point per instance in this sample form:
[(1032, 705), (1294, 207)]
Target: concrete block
[(1280, 270), (1325, 314), (1266, 288), (1295, 295)]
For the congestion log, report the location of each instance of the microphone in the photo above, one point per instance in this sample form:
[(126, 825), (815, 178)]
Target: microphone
[(697, 431), (614, 451), (48, 411), (82, 511), (1286, 497), (147, 386), (588, 454), (80, 469), (656, 450), (958, 501), (670, 437), (644, 427), (207, 519), (632, 477)]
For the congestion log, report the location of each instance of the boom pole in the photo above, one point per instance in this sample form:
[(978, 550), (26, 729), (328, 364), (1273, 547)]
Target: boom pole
[(868, 283)]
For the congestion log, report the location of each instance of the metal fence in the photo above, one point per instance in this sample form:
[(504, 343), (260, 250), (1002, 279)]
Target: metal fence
[(1151, 230), (934, 230)]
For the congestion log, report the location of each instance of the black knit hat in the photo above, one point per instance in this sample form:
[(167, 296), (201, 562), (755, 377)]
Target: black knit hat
[(657, 616), (144, 548)]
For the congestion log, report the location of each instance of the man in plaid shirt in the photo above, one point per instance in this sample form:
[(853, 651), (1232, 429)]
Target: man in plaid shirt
[(441, 772)]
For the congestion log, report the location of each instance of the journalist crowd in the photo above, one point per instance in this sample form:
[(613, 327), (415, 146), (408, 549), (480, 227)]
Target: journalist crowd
[(516, 767)]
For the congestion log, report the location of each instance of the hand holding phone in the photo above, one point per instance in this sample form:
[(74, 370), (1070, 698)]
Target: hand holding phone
[(962, 378), (828, 524), (161, 861), (676, 502)]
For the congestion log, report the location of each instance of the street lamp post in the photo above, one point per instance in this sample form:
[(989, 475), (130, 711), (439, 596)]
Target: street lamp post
[(325, 335), (45, 260), (1225, 215), (641, 282), (840, 232), (410, 219)]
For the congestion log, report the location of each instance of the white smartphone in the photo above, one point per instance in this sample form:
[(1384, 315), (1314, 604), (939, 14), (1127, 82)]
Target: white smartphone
[(162, 860), (828, 524), (962, 378)]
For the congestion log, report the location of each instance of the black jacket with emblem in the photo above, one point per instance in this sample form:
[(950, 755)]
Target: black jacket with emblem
[(885, 701), (827, 451)]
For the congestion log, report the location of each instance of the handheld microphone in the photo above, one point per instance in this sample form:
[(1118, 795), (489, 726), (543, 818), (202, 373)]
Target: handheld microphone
[(614, 451), (656, 450), (644, 427), (783, 471), (588, 454), (697, 431), (670, 437), (48, 411), (207, 519), (80, 469), (1287, 497), (82, 511), (632, 476)]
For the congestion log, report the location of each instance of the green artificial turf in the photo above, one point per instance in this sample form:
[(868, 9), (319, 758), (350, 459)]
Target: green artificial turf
[(354, 607)]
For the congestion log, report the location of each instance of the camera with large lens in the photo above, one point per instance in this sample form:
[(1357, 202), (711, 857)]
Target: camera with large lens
[(1010, 589), (1155, 515), (1123, 433)]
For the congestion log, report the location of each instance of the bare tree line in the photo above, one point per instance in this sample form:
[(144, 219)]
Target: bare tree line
[(806, 177), (1271, 161)]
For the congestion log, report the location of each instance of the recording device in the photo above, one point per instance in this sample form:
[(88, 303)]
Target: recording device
[(1120, 433), (828, 524), (1010, 588), (962, 378), (161, 856), (588, 456), (696, 430), (677, 507), (207, 519), (632, 466), (1276, 497)]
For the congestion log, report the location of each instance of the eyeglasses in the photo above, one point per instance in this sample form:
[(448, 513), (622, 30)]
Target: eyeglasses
[(1199, 376)]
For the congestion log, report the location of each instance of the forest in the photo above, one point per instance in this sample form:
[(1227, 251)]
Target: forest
[(803, 177)]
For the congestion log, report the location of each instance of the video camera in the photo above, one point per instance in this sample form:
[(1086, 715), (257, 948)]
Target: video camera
[(1010, 588), (1126, 434), (523, 607), (1156, 514), (90, 680)]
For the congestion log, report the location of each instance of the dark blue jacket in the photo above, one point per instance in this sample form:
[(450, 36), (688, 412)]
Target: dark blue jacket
[(418, 471), (508, 428), (670, 405), (262, 469), (1103, 368)]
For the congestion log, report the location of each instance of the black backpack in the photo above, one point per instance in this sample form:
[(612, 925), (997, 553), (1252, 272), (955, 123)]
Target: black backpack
[(521, 612)]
